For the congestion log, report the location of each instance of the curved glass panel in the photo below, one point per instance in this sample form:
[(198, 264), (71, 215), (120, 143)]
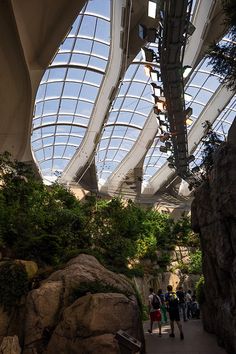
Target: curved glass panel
[(69, 88), (127, 117)]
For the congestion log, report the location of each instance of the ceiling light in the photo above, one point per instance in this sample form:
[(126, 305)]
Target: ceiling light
[(191, 28), (195, 169), (155, 75), (147, 70), (157, 89), (152, 9), (188, 112), (163, 149), (170, 159), (148, 34), (171, 165), (148, 54), (186, 71), (188, 97), (191, 158), (164, 137), (189, 121), (168, 145), (162, 116)]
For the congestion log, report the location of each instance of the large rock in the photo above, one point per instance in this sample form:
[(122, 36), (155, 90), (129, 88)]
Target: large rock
[(96, 317), (56, 322), (10, 345), (214, 217)]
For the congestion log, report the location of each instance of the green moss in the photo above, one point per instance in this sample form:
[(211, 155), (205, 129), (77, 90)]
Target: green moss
[(94, 287)]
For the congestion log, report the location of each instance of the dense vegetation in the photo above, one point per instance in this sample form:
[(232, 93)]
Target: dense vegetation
[(49, 225)]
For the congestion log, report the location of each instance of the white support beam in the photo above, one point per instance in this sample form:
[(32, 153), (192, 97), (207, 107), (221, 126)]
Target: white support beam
[(201, 21), (102, 104)]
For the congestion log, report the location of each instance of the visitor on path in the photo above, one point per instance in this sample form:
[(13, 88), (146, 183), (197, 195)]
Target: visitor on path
[(182, 302), (172, 303), (154, 303), (163, 307), (189, 304), (195, 308)]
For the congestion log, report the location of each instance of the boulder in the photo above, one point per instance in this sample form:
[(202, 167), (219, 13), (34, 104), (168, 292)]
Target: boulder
[(10, 345), (86, 268), (213, 216), (57, 322), (96, 317)]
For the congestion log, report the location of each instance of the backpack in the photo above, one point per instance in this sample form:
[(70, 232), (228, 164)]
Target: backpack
[(155, 302), (173, 300)]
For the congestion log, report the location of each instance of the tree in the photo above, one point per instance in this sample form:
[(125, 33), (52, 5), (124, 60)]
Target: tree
[(223, 55)]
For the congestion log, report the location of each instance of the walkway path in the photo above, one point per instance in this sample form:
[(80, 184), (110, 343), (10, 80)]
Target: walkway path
[(196, 340)]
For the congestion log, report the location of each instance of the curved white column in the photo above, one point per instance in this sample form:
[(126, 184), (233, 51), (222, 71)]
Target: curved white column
[(111, 80)]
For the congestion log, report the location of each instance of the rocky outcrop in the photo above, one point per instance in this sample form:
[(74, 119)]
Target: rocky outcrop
[(10, 345), (174, 276), (214, 217), (53, 319)]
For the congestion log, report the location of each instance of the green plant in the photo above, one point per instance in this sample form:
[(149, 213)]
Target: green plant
[(184, 267), (94, 287), (222, 55), (13, 283), (200, 290), (195, 264)]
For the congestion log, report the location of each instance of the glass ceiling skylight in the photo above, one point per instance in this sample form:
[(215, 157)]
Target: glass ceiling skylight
[(69, 88), (127, 117)]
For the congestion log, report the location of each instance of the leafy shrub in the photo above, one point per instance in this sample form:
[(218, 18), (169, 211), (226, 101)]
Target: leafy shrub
[(200, 290), (13, 283), (94, 287), (195, 265)]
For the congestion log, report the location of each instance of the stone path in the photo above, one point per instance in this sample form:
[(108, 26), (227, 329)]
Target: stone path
[(196, 340)]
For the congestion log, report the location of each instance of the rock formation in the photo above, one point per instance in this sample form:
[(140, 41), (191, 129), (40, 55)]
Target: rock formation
[(56, 320), (214, 217), (10, 345)]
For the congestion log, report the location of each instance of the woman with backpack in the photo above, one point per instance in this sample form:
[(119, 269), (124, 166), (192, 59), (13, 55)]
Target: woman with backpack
[(154, 304)]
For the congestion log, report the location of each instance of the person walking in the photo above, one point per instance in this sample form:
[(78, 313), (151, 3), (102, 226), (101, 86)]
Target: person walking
[(172, 302), (154, 304), (189, 303), (182, 302), (163, 307)]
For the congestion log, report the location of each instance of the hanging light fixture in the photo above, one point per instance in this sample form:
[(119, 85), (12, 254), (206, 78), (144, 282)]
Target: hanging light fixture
[(186, 71), (152, 8), (148, 54), (158, 91)]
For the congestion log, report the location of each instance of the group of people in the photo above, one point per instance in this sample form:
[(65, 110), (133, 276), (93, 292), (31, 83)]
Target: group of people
[(176, 304)]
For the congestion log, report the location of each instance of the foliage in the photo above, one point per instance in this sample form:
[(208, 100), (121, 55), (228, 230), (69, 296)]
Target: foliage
[(37, 222), (13, 283), (222, 55), (200, 290), (195, 265), (184, 236), (49, 225), (94, 287), (211, 142)]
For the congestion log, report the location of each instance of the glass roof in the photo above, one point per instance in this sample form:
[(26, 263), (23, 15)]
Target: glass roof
[(127, 117), (69, 88)]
